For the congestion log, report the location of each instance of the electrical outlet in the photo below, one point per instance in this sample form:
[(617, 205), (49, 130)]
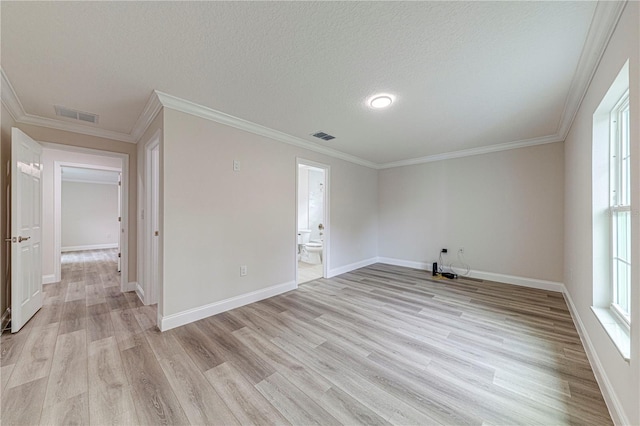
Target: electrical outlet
[(236, 165), (243, 270)]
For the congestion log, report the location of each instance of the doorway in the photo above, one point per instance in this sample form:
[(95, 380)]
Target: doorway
[(90, 209), (151, 277), (312, 220), (57, 157), (47, 209), (90, 219)]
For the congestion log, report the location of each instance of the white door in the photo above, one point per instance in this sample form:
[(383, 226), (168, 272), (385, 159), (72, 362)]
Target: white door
[(120, 230), (152, 275), (26, 228), (155, 221)]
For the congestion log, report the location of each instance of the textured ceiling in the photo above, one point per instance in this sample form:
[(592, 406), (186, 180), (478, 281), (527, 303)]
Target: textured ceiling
[(466, 74)]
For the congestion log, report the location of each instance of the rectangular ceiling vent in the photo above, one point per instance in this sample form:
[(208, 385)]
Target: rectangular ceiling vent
[(324, 136), (76, 115)]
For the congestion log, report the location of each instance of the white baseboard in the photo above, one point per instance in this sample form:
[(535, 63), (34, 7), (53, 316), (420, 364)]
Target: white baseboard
[(140, 292), (515, 280), (406, 263), (89, 247), (185, 317), (489, 276), (130, 286), (613, 403), (49, 279), (351, 267)]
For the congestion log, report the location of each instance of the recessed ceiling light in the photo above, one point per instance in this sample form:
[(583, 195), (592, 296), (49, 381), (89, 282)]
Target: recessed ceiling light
[(380, 101)]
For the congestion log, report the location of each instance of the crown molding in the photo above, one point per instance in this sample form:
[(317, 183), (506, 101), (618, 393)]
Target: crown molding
[(15, 108), (9, 98), (149, 113), (604, 22), (188, 107), (473, 151), (74, 128)]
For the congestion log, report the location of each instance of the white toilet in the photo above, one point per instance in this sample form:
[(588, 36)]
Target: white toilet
[(310, 251)]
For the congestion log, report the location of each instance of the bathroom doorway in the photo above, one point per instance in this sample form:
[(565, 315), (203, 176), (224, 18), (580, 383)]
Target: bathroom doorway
[(312, 221)]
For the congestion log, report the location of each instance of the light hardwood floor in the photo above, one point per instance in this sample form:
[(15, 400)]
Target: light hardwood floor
[(381, 345)]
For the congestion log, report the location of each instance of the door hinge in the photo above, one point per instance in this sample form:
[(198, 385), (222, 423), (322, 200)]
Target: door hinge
[(119, 254), (119, 218)]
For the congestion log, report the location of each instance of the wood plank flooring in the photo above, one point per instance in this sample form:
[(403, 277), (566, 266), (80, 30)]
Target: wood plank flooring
[(380, 345)]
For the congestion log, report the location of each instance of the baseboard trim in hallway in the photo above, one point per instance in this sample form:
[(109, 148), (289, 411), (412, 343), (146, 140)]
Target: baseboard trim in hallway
[(49, 279)]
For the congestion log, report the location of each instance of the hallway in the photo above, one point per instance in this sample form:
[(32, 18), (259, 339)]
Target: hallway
[(84, 318)]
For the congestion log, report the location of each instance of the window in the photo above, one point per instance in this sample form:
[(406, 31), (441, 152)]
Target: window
[(611, 220), (620, 208)]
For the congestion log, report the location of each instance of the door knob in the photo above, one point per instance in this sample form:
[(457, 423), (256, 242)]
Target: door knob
[(21, 239)]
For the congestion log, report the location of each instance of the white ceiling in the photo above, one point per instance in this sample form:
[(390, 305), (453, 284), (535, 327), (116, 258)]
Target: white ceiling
[(467, 75), (81, 174)]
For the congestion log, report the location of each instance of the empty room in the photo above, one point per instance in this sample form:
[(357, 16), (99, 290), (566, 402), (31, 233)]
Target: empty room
[(295, 213)]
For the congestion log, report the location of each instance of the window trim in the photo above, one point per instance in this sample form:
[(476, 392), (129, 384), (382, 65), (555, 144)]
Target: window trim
[(601, 202), (616, 133), (620, 315), (615, 196), (617, 310)]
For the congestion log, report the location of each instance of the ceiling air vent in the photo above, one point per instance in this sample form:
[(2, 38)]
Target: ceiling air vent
[(324, 136), (76, 115)]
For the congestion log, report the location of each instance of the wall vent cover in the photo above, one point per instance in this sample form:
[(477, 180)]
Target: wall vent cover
[(324, 136), (76, 115)]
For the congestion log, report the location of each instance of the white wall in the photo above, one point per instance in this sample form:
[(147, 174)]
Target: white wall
[(315, 191), (310, 200), (505, 209), (620, 380), (216, 219), (303, 198), (89, 216), (49, 157)]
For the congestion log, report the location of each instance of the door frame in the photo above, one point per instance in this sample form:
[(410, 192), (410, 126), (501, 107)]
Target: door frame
[(120, 219), (326, 256), (148, 292), (124, 200)]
